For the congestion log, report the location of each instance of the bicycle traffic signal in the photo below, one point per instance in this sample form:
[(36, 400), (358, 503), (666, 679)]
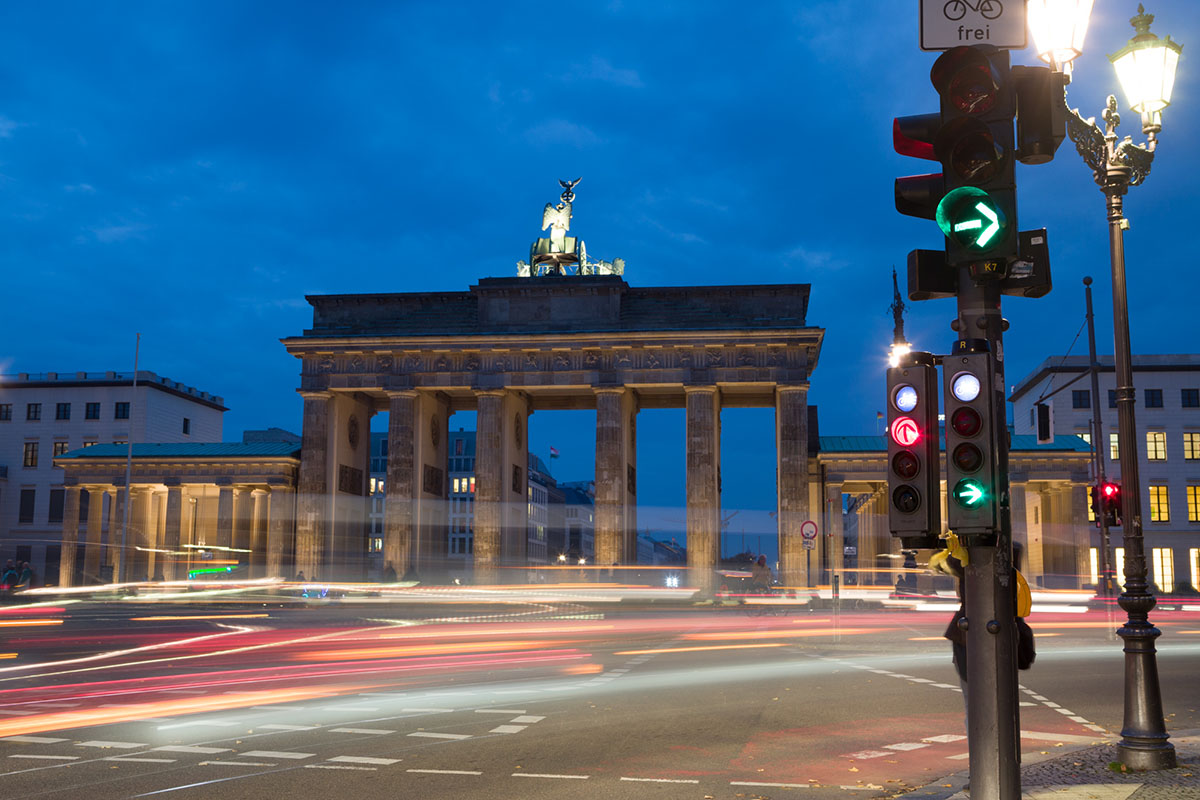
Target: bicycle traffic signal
[(971, 479), (914, 471)]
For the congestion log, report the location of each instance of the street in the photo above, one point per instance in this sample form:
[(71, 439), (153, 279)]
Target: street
[(271, 700)]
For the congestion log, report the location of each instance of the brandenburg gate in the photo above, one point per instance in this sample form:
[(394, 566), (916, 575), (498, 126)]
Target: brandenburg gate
[(566, 333)]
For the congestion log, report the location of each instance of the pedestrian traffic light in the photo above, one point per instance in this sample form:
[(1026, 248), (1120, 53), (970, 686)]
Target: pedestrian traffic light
[(975, 144), (971, 470), (1110, 502), (914, 471)]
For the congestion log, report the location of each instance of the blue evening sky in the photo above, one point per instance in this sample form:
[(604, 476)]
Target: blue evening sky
[(191, 170)]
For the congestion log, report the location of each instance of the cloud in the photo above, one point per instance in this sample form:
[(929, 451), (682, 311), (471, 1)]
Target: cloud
[(812, 259), (600, 69), (108, 234), (82, 188), (7, 126), (561, 131)]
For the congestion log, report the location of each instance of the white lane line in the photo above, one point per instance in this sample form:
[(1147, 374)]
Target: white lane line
[(862, 755), (1078, 719), (1050, 705), (549, 775), (380, 762), (1097, 728), (507, 729), (960, 756), (190, 748), (1027, 704), (499, 711), (447, 771), (945, 738), (618, 671), (920, 680), (776, 785), (661, 780), (426, 710), (945, 686), (905, 746), (340, 766), (359, 730), (236, 764), (1061, 737), (276, 754), (34, 739), (870, 787), (432, 735), (350, 708), (282, 727), (117, 745), (47, 758), (215, 723), (526, 719), (146, 760)]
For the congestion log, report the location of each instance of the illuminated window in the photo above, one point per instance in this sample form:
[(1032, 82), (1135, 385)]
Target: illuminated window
[(1164, 569), (1191, 446), (1160, 503), (1094, 565), (1087, 437), (454, 485), (472, 480), (1119, 565), (1156, 445), (1193, 497), (1091, 511), (60, 448), (375, 544), (1194, 560), (1114, 447)]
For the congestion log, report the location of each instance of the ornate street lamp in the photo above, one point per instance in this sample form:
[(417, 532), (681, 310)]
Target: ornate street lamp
[(1058, 28), (1146, 69)]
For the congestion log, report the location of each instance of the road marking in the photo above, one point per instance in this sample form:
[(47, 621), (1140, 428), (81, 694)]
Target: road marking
[(118, 745), (431, 735), (426, 710), (190, 748), (282, 727), (526, 719), (619, 671), (47, 758), (350, 708), (945, 686), (216, 723), (447, 771), (921, 680), (945, 738), (960, 756), (1027, 705), (1078, 719), (1050, 705), (276, 754), (1061, 737), (340, 766), (548, 775), (34, 739), (661, 780), (146, 760), (507, 729), (905, 746), (776, 785), (383, 762), (500, 711), (862, 755), (236, 764), (358, 730)]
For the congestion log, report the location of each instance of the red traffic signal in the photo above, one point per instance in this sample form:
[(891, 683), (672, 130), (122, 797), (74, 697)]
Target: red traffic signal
[(1110, 500)]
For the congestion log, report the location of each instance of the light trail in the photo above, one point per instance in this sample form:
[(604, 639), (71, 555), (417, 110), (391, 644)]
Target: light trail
[(28, 623), (781, 634), (655, 651), (198, 616), (459, 648)]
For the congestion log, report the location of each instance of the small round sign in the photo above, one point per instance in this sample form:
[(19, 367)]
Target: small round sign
[(808, 529)]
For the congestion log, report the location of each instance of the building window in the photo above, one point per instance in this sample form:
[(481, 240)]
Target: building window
[(458, 447), (60, 448), (92, 443), (25, 512), (187, 427), (1193, 495), (121, 411), (472, 484), (1112, 398), (375, 544), (1094, 565), (1081, 398), (1164, 569), (1194, 560), (1154, 398), (5, 412), (62, 410), (33, 411), (1160, 503), (1189, 398), (1114, 448), (1156, 446), (91, 411), (1191, 446), (31, 454), (1087, 437), (57, 496)]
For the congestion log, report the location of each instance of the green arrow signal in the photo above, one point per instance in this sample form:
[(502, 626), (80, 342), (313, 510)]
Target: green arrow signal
[(966, 210), (969, 493)]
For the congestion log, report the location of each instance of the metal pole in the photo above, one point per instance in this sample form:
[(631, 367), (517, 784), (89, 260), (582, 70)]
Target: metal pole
[(1106, 560), (993, 712), (123, 573), (1144, 741)]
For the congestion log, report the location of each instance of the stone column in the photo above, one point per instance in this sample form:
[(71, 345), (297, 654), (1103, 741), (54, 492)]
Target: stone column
[(703, 484), (1035, 518), (1081, 533), (501, 477), (225, 514), (835, 535), (616, 476), (115, 555), (1019, 513), (416, 492), (258, 535), (93, 550), (241, 521), (139, 540), (70, 537), (279, 529), (400, 490), (172, 532), (791, 448), (314, 487)]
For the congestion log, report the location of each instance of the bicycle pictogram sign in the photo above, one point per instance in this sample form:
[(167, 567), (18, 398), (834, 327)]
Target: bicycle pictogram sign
[(957, 9)]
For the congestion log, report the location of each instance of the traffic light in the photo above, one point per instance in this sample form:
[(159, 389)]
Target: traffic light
[(1110, 502), (1097, 507), (914, 471), (971, 483), (975, 144)]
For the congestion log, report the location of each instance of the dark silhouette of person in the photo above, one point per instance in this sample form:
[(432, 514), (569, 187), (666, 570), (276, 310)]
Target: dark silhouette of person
[(389, 573), (760, 575)]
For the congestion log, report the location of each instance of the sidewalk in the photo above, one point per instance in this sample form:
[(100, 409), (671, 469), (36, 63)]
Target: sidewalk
[(1084, 774)]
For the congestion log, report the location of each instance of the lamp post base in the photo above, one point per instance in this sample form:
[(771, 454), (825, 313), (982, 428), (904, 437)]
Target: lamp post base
[(1144, 743)]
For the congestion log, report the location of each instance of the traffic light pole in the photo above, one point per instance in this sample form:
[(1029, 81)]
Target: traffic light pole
[(1106, 567), (993, 714)]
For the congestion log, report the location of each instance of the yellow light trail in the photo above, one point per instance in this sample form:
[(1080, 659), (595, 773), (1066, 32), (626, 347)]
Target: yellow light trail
[(447, 634), (28, 623), (696, 649), (779, 634), (422, 650), (199, 616), (8, 655)]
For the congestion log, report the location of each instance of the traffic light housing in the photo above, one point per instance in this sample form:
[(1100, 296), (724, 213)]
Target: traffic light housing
[(976, 146), (914, 470), (971, 438), (1110, 503)]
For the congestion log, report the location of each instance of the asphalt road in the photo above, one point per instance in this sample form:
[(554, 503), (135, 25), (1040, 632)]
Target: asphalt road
[(266, 701)]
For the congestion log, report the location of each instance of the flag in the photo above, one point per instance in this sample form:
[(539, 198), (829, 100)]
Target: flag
[(553, 452), (878, 415)]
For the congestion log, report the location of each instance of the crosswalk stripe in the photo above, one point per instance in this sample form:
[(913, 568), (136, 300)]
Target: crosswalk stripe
[(46, 758), (358, 730), (118, 745), (383, 762), (276, 754), (34, 739), (190, 748), (432, 735)]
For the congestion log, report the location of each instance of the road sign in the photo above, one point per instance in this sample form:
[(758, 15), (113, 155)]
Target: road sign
[(950, 23), (808, 534)]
